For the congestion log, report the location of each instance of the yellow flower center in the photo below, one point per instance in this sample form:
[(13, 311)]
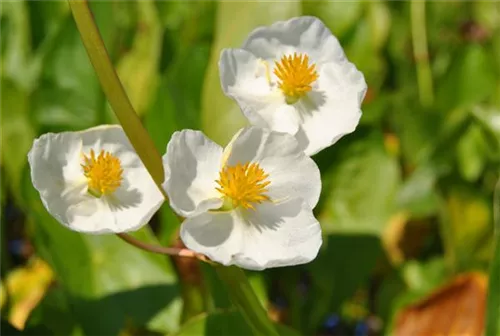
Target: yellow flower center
[(104, 173), (244, 185), (295, 75)]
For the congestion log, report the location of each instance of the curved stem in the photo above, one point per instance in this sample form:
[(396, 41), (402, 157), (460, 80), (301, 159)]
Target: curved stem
[(173, 251), (420, 53)]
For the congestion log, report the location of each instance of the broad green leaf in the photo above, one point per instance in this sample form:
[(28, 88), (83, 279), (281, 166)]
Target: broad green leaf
[(104, 276), (235, 20), (223, 324), (360, 188), (17, 134), (137, 69), (343, 265)]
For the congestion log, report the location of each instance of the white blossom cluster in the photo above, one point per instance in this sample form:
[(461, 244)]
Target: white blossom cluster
[(249, 203)]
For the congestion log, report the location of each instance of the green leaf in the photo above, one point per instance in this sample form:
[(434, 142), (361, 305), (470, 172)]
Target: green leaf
[(360, 189), (105, 276), (223, 323), (342, 266), (17, 134), (221, 116)]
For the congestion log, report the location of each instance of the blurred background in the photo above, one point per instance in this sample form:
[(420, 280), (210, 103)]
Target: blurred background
[(406, 208)]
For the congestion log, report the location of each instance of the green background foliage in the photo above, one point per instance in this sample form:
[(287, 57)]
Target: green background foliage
[(407, 200)]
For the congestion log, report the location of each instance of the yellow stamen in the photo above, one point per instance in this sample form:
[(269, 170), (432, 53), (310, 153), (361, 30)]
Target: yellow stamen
[(244, 185), (104, 173), (296, 76)]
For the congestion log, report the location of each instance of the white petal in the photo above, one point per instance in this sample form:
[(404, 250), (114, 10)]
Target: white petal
[(192, 165), (55, 161), (246, 79), (334, 109), (110, 138), (135, 202), (292, 173), (304, 34), (56, 171), (285, 234)]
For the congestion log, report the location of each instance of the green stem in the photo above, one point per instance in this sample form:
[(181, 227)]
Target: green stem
[(420, 53), (245, 299), (492, 326), (114, 91)]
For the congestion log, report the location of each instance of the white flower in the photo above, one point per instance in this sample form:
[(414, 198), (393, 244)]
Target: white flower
[(249, 204), (93, 181), (293, 77)]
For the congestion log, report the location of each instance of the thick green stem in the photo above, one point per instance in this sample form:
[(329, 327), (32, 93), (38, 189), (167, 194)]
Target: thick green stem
[(237, 284), (244, 298), (420, 53), (114, 91), (493, 305)]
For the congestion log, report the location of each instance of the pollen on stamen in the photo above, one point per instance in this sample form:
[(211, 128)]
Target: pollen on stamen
[(295, 75), (103, 173), (244, 184)]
